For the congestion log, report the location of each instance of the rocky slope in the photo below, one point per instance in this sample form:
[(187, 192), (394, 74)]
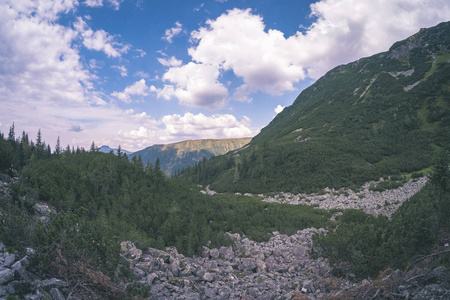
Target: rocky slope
[(371, 202), (281, 268)]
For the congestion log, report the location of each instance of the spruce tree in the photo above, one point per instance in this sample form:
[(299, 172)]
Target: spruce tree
[(12, 135), (58, 149)]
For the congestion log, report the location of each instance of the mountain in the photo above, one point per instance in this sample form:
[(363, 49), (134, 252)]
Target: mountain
[(176, 156), (107, 149), (382, 115)]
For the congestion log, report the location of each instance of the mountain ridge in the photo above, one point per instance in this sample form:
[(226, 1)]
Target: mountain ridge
[(378, 116), (176, 156)]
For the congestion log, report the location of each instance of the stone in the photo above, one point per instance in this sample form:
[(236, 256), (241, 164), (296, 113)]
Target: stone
[(129, 251), (157, 288), (9, 260), (138, 273), (43, 209), (151, 278), (23, 263), (6, 276), (226, 253), (248, 265), (3, 291), (309, 286), (52, 283), (56, 294), (174, 268), (214, 253), (205, 253), (432, 291), (210, 292), (208, 277)]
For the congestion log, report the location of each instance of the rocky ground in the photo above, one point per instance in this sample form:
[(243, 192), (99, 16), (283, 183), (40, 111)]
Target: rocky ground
[(372, 202), (16, 279), (278, 269), (281, 268)]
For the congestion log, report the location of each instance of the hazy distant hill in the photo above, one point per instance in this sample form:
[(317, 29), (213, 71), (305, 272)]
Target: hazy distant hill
[(381, 115), (107, 149), (176, 156)]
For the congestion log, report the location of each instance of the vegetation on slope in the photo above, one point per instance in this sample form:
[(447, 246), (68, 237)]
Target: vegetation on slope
[(371, 244), (379, 116), (102, 199), (177, 156)]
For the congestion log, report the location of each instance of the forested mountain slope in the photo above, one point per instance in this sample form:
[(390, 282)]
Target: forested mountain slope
[(381, 115), (176, 156)]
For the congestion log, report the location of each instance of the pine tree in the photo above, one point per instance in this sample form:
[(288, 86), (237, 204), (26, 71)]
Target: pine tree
[(39, 145), (48, 153), (12, 134), (58, 149), (93, 147)]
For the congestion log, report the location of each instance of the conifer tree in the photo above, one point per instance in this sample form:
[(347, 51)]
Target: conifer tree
[(12, 135), (93, 147), (39, 145), (58, 149)]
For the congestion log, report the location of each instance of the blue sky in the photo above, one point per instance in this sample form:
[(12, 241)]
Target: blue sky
[(144, 72)]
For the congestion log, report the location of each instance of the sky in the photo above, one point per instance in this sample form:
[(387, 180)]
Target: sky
[(141, 72)]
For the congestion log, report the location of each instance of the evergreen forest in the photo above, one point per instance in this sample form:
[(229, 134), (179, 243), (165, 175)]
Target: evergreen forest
[(101, 199)]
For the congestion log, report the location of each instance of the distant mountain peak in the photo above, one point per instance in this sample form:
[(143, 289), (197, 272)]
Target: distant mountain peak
[(107, 149), (176, 156)]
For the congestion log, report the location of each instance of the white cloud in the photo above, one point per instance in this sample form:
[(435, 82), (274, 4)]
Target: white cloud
[(265, 64), (138, 88), (44, 10), (201, 126), (342, 31), (141, 52), (36, 58), (347, 30), (93, 3), (173, 32), (279, 109), (142, 74), (196, 85), (99, 40), (170, 62), (123, 71), (115, 3)]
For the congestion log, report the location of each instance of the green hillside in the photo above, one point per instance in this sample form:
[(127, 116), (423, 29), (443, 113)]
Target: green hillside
[(177, 156), (378, 116)]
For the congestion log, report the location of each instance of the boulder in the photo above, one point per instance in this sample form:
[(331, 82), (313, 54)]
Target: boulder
[(6, 276), (214, 253), (248, 265), (52, 283), (9, 259), (208, 277), (129, 251)]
